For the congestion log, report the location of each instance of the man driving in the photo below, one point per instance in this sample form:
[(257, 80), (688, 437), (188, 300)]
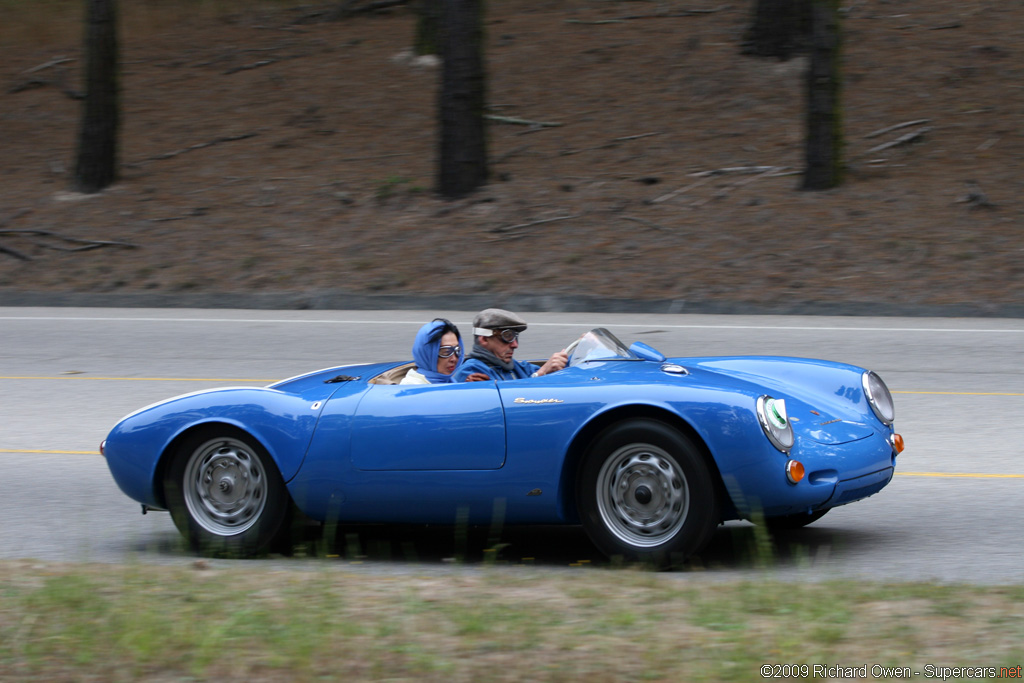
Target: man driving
[(495, 339)]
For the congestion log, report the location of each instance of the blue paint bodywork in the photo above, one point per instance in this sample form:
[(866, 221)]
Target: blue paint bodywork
[(361, 451)]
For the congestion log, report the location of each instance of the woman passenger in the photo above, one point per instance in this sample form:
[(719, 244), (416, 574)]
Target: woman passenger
[(437, 351)]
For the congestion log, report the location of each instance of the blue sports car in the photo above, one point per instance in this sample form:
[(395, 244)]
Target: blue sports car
[(649, 454)]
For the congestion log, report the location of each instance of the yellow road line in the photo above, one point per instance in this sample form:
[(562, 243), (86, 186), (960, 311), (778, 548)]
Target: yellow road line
[(30, 451), (961, 475), (962, 393)]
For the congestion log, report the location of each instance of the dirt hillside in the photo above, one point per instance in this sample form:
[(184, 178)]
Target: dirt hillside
[(270, 152)]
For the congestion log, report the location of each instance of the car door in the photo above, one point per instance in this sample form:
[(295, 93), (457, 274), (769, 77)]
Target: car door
[(429, 427)]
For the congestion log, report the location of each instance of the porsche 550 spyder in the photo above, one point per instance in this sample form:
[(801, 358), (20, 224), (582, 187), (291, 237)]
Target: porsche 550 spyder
[(649, 454)]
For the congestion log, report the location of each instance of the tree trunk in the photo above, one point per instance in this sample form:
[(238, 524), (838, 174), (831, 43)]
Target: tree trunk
[(780, 28), (463, 145), (824, 109), (428, 27), (96, 165)]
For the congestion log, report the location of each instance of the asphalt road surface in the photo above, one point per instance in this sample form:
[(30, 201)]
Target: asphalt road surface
[(952, 512)]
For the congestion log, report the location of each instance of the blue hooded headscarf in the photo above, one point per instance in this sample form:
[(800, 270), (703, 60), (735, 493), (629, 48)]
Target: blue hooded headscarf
[(426, 347)]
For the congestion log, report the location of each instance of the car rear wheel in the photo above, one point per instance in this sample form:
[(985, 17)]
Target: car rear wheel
[(797, 521), (226, 495), (645, 493)]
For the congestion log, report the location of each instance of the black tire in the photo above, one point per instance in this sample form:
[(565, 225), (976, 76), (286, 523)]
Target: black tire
[(226, 495), (646, 493), (797, 521)]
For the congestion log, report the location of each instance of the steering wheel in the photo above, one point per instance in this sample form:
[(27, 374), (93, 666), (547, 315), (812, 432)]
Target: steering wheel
[(572, 347)]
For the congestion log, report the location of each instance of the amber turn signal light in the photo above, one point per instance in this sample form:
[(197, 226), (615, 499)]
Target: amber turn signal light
[(897, 443), (794, 471)]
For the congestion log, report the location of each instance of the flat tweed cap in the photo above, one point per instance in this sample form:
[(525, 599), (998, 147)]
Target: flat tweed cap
[(497, 319)]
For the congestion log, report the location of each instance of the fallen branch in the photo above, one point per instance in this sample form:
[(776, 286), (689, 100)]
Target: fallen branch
[(85, 245), (520, 122), (738, 169), (249, 67), (905, 124), (651, 224), (14, 216), (233, 53), (14, 252), (56, 61), (346, 9), (656, 15), (635, 137), (88, 244), (511, 153), (377, 156), (531, 224), (58, 81), (758, 172), (606, 145), (975, 197), (721, 8), (676, 193), (201, 145), (374, 6), (184, 217), (597, 22), (42, 83), (770, 172), (902, 140), (28, 85)]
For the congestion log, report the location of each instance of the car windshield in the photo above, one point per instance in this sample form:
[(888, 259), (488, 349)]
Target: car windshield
[(599, 344)]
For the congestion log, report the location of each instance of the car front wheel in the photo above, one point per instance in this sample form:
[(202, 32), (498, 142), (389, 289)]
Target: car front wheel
[(226, 495), (646, 493)]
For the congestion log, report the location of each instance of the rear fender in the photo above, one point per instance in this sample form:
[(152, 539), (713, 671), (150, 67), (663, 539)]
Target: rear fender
[(139, 447)]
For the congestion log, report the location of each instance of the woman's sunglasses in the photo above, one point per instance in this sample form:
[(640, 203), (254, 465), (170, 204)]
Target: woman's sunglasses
[(448, 351)]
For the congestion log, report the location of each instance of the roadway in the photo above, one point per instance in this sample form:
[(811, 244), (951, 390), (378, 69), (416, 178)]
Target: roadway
[(950, 514)]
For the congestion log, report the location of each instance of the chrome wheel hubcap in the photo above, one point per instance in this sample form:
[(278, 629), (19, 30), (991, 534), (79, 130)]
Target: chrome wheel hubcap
[(642, 495), (225, 486)]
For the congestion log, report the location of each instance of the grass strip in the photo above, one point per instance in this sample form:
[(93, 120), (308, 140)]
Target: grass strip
[(484, 623)]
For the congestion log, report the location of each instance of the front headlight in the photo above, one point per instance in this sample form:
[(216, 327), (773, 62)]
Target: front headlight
[(878, 397), (771, 413)]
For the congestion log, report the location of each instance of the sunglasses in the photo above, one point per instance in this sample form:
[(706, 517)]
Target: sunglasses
[(448, 351)]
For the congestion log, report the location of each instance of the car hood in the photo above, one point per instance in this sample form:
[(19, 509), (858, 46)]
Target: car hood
[(833, 431), (824, 399)]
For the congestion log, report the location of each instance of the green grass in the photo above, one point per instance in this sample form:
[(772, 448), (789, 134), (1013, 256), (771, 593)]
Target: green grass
[(243, 621)]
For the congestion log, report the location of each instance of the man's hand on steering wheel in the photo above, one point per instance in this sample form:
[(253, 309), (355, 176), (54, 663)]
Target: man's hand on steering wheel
[(557, 361)]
